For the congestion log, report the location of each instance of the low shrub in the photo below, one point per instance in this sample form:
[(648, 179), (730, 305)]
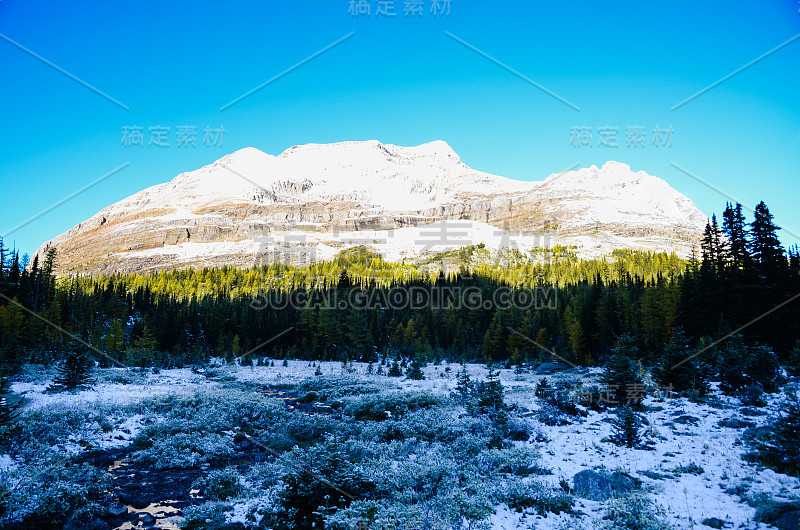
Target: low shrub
[(184, 449), (525, 494), (634, 512), (51, 493), (386, 406), (220, 484)]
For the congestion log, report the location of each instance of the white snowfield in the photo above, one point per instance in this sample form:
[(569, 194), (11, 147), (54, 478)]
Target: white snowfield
[(685, 498), (312, 191)]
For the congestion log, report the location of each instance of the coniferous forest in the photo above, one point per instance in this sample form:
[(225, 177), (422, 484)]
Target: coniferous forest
[(576, 309)]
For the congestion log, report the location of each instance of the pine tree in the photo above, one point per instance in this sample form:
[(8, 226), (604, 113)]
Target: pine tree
[(626, 428), (780, 448), (765, 247), (415, 371), (395, 370), (73, 373), (464, 384), (489, 395), (763, 367), (734, 227), (622, 379), (714, 246), (732, 363), (679, 369)]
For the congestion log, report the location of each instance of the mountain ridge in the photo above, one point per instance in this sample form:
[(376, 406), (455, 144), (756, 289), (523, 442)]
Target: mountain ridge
[(250, 207)]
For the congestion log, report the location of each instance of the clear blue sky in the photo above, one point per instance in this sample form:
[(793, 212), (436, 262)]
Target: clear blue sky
[(398, 80)]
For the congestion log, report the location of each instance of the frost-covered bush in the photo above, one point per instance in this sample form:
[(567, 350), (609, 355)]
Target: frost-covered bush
[(518, 429), (559, 396), (514, 461), (392, 515), (634, 512), (552, 416), (208, 516), (265, 475), (185, 450), (302, 428), (221, 484), (51, 493), (385, 406), (321, 480), (216, 412), (426, 464), (334, 387), (752, 396), (527, 493), (39, 430), (198, 429)]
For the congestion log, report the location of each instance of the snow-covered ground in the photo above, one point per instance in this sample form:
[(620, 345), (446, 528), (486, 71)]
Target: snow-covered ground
[(684, 432)]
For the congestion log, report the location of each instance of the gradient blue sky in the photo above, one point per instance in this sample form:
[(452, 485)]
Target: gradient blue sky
[(397, 80)]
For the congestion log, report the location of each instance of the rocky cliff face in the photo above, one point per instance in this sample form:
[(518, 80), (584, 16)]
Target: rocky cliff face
[(314, 200)]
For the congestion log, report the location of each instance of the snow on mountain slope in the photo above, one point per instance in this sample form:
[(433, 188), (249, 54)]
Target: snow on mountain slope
[(330, 196)]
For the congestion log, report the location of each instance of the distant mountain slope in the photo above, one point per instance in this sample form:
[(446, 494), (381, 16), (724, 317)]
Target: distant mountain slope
[(313, 200)]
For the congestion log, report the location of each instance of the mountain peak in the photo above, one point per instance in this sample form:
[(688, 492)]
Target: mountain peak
[(322, 198)]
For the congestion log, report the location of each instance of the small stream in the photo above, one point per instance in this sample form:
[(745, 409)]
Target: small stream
[(146, 497)]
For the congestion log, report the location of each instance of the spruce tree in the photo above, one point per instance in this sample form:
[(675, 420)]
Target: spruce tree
[(779, 446), (73, 373), (489, 396), (765, 247), (732, 364), (734, 227), (626, 428), (415, 371), (678, 369), (763, 367), (464, 383), (621, 377), (395, 370)]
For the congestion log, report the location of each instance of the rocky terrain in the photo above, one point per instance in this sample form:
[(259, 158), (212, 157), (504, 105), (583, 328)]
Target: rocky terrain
[(312, 201)]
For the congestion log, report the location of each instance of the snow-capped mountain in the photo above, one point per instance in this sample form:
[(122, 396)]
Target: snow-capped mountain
[(313, 200)]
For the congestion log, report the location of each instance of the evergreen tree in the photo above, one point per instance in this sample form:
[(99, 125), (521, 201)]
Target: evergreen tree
[(73, 373), (621, 378), (763, 367), (765, 247), (734, 227), (464, 384), (415, 371), (627, 428), (489, 396), (394, 370), (679, 369), (779, 447), (714, 247), (732, 364)]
